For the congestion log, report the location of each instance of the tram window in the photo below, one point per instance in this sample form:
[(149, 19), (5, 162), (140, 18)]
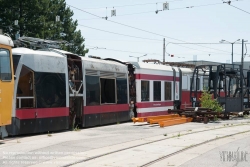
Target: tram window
[(122, 95), (144, 90), (50, 89), (157, 90), (92, 90), (168, 88), (108, 90), (25, 91), (16, 59), (5, 68), (194, 83), (205, 83)]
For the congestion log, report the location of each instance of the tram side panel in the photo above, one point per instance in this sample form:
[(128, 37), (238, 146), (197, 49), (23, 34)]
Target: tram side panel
[(105, 92), (187, 75), (40, 93), (154, 89), (6, 83)]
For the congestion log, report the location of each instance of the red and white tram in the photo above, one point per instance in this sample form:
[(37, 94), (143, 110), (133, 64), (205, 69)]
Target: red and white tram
[(155, 88), (57, 90), (40, 100)]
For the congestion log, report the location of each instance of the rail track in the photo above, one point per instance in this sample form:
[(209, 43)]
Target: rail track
[(182, 150), (169, 155)]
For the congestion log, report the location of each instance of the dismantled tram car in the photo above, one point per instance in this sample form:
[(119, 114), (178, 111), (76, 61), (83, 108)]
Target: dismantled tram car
[(6, 83), (55, 90), (155, 88)]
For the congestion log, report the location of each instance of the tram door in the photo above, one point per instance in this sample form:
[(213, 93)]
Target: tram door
[(75, 91), (76, 106), (176, 88)]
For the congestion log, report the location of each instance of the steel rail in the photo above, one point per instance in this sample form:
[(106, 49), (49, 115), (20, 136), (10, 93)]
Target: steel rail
[(127, 148)]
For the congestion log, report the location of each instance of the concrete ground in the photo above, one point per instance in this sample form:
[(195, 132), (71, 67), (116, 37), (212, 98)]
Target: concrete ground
[(82, 148)]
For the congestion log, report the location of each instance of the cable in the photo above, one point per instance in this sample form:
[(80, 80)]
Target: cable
[(240, 9), (126, 51), (142, 29), (119, 33), (146, 38), (188, 7), (120, 6), (142, 52)]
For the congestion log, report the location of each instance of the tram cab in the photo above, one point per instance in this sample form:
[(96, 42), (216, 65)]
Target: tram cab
[(6, 83)]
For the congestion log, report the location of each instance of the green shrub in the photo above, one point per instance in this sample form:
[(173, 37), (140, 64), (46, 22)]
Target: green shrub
[(208, 102)]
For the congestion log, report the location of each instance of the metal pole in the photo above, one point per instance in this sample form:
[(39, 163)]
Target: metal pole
[(137, 59), (163, 50), (232, 53), (241, 76)]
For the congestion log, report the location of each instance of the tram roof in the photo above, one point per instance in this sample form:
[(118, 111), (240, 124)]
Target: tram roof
[(103, 65), (141, 65), (26, 51), (5, 40)]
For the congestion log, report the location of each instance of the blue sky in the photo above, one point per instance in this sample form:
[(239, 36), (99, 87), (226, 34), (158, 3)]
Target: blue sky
[(204, 24)]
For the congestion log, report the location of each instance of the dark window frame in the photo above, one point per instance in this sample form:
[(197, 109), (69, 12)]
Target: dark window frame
[(115, 91), (157, 93), (169, 89), (97, 100), (147, 92), (121, 93)]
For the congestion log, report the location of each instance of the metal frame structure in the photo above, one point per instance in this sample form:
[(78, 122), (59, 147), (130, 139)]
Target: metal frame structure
[(227, 84)]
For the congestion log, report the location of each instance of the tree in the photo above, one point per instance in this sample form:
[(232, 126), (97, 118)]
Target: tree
[(208, 102), (37, 18)]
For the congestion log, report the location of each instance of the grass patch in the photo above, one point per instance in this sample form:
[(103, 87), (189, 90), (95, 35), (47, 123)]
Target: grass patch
[(77, 128), (49, 134)]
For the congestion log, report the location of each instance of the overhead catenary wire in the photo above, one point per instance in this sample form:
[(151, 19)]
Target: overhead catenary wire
[(117, 50), (118, 33), (131, 5), (145, 38), (129, 51), (240, 9), (141, 29), (187, 7)]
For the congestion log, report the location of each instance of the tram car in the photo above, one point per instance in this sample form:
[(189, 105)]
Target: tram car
[(40, 101), (155, 88), (58, 90), (6, 83)]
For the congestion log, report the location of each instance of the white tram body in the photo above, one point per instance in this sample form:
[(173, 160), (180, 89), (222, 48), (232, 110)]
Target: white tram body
[(57, 90), (105, 92), (40, 100), (157, 87)]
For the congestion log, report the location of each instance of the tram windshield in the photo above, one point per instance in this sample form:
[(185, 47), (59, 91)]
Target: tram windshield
[(5, 68)]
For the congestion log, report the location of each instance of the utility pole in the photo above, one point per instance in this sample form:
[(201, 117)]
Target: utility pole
[(222, 41), (241, 76), (163, 50), (232, 53)]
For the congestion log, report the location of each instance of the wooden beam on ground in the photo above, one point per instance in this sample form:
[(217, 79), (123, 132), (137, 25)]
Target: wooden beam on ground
[(175, 122), (139, 119), (157, 120), (162, 117), (146, 119)]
